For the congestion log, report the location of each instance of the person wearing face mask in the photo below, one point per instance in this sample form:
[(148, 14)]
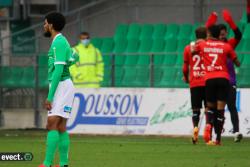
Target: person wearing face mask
[(88, 71)]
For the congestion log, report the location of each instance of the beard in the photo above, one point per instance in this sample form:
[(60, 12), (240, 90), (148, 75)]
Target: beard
[(47, 34)]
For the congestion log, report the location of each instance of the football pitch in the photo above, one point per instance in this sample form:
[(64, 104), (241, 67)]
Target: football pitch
[(128, 151)]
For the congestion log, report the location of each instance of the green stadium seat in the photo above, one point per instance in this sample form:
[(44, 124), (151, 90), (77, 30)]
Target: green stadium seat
[(239, 47), (28, 78), (145, 47), (179, 61), (179, 83), (42, 60), (14, 79), (182, 43), (244, 17), (246, 61), (146, 31), (245, 46), (43, 77), (246, 33), (121, 31), (171, 45), (119, 73), (158, 73), (142, 77), (240, 56), (5, 74), (107, 77), (120, 47), (159, 31), (243, 77), (172, 31), (185, 31), (132, 47), (168, 77), (97, 42), (134, 31), (107, 49), (128, 79)]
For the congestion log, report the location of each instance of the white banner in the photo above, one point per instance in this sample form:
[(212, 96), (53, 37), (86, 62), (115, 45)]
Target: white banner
[(143, 111)]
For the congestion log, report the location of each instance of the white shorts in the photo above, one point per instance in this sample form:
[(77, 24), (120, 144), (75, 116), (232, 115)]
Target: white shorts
[(63, 99)]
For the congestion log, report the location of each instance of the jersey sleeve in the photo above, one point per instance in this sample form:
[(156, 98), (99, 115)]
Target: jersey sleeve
[(233, 42), (60, 52), (231, 53), (186, 61)]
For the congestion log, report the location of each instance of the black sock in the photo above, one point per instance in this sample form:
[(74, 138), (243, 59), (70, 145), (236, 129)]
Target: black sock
[(210, 116), (196, 117), (220, 123)]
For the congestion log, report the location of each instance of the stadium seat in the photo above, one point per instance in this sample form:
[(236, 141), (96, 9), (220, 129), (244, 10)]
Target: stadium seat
[(179, 61), (142, 76), (5, 74), (107, 48), (179, 83), (28, 78), (107, 77), (119, 73), (159, 31), (13, 80), (245, 45), (121, 31), (128, 80), (120, 47), (171, 45), (43, 77), (246, 61), (146, 31), (246, 33), (145, 47), (132, 47), (182, 43), (97, 42), (239, 47), (167, 79), (43, 60), (185, 31), (172, 31), (243, 77), (244, 17), (134, 31)]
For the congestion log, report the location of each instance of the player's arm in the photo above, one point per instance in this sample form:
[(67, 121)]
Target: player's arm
[(55, 81), (60, 51), (228, 18), (185, 67), (233, 56), (212, 18)]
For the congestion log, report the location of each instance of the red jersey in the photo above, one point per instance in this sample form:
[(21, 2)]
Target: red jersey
[(195, 64), (233, 42), (215, 54)]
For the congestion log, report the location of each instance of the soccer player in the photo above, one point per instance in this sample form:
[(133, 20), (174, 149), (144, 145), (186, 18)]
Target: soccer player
[(61, 90), (196, 80), (231, 101), (215, 54)]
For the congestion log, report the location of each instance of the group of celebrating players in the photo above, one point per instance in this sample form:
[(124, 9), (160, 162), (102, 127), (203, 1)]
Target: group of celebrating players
[(209, 69)]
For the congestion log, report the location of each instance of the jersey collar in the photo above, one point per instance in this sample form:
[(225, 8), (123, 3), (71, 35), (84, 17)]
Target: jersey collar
[(56, 36)]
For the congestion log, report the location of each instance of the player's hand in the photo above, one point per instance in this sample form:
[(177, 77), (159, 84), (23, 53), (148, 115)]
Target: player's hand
[(185, 79), (47, 105), (227, 16)]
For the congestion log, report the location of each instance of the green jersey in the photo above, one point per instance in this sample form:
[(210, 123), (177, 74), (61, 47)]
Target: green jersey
[(59, 53)]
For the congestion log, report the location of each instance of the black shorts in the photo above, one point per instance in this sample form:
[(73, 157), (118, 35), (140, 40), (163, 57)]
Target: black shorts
[(197, 96), (217, 89)]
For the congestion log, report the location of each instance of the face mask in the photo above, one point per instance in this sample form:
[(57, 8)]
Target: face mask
[(85, 42)]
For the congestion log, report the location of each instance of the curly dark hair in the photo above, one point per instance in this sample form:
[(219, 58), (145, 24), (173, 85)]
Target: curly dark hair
[(57, 20)]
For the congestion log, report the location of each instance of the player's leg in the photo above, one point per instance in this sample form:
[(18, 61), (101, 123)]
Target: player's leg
[(52, 139), (64, 142), (211, 108), (196, 102), (222, 96), (231, 103)]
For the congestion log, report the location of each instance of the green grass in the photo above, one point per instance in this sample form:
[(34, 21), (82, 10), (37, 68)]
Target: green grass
[(129, 151)]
